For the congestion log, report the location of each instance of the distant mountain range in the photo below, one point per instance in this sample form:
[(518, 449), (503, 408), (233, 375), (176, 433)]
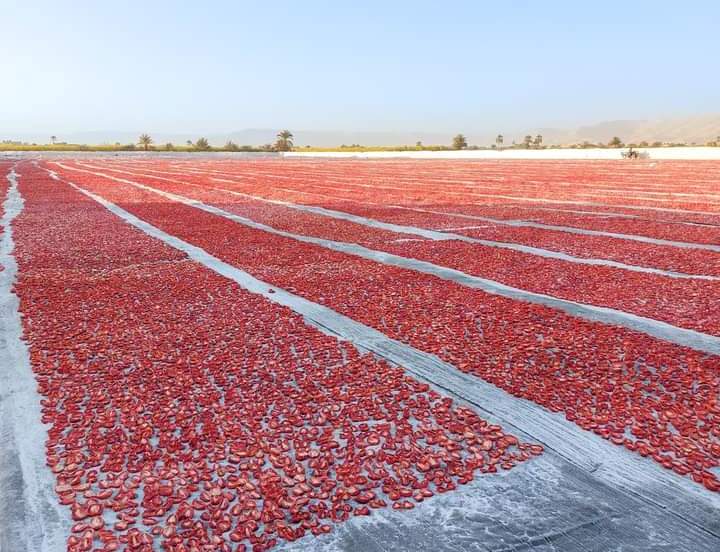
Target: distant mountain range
[(698, 130)]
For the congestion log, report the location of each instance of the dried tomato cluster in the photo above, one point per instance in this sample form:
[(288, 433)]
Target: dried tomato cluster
[(686, 303), (488, 187), (653, 397), (188, 414)]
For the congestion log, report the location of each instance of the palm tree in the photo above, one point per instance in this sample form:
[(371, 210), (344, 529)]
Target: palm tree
[(202, 144), (53, 138), (284, 141), (189, 143), (459, 142), (538, 141), (499, 139), (145, 141)]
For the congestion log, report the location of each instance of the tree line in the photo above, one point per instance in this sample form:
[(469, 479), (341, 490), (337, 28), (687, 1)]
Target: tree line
[(283, 142), (459, 142)]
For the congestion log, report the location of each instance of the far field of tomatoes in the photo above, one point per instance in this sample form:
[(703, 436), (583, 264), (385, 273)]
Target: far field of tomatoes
[(185, 411)]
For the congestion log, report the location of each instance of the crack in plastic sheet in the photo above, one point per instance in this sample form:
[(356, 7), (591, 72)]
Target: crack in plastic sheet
[(548, 538)]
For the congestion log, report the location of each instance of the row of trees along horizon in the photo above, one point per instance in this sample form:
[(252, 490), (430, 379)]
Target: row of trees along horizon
[(284, 142)]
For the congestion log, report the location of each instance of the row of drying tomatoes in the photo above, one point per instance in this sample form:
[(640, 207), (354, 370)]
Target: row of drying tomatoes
[(186, 413)]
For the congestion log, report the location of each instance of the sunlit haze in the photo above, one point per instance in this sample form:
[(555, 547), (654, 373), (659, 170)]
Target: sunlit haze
[(213, 67)]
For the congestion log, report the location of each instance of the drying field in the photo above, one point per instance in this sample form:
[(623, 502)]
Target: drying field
[(245, 354)]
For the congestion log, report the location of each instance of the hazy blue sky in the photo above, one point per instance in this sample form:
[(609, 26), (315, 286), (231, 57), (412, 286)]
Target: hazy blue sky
[(434, 66)]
